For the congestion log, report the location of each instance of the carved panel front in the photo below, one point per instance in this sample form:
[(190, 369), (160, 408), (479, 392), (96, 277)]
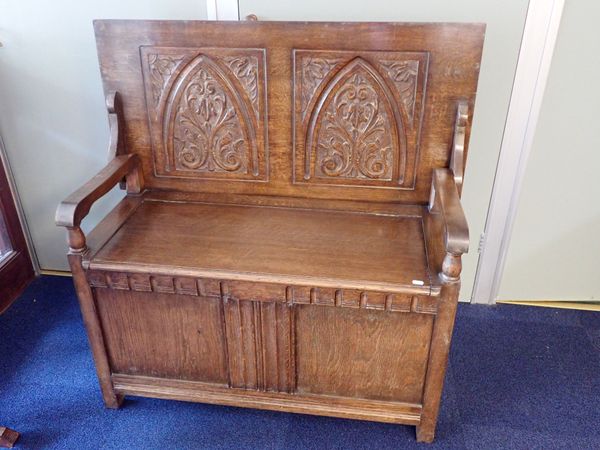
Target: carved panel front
[(206, 110), (358, 117)]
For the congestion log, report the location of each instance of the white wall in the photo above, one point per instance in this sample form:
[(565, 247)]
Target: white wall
[(505, 21), (52, 115), (554, 252)]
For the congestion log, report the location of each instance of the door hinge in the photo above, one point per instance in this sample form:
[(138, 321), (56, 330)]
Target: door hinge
[(481, 242)]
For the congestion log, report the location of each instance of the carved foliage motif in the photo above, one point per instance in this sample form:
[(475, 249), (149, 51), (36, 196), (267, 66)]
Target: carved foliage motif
[(404, 76), (314, 70), (161, 69), (245, 69), (355, 136), (208, 133)]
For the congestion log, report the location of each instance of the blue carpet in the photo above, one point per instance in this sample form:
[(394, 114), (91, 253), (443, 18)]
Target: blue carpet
[(519, 377)]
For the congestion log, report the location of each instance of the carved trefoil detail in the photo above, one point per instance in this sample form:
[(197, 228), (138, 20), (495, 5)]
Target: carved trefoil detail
[(207, 112), (358, 117)]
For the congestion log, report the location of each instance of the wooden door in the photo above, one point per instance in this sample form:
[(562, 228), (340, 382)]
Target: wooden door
[(16, 269)]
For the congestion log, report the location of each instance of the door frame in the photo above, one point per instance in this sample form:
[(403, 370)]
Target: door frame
[(533, 67), (222, 10), (19, 207), (21, 266), (531, 74)]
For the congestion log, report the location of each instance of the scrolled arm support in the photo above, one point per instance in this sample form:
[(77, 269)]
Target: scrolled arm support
[(445, 201), (76, 206), (118, 143)]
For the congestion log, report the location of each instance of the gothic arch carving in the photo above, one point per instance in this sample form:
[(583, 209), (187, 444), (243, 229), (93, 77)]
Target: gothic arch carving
[(356, 129), (207, 125)]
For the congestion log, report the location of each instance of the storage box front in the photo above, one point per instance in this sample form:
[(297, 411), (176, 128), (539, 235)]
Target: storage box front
[(269, 343)]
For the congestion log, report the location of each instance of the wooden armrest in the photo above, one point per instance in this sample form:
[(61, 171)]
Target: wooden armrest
[(445, 204), (445, 200), (76, 206)]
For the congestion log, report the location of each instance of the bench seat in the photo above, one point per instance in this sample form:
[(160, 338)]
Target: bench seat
[(334, 249)]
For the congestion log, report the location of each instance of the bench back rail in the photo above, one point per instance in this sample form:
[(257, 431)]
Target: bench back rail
[(346, 111)]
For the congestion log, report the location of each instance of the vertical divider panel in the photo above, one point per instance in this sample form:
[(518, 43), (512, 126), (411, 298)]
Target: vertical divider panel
[(260, 339)]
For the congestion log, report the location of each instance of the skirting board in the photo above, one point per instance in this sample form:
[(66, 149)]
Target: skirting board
[(562, 304), (56, 273)]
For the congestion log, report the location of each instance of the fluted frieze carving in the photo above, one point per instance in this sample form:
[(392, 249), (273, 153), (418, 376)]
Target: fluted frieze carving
[(262, 292)]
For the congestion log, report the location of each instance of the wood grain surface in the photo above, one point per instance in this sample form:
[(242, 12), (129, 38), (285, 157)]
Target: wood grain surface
[(360, 354), (279, 242), (292, 235), (169, 336), (448, 57)]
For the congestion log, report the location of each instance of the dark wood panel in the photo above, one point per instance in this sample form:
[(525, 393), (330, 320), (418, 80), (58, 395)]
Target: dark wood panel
[(362, 354), (162, 335), (453, 52), (16, 272), (271, 241), (16, 268)]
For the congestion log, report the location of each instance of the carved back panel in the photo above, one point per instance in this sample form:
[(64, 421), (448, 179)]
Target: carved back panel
[(206, 112), (360, 111)]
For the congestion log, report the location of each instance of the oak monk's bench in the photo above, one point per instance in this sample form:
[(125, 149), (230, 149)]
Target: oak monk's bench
[(292, 232)]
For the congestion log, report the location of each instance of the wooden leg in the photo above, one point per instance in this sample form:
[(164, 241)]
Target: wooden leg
[(425, 435), (8, 437), (94, 331), (438, 360)]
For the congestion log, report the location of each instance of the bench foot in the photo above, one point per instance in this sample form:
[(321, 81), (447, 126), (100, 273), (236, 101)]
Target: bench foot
[(114, 401), (8, 437), (425, 434)]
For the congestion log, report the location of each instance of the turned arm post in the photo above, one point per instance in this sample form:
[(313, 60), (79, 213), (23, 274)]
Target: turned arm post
[(124, 169), (447, 237), (446, 214), (69, 214)]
